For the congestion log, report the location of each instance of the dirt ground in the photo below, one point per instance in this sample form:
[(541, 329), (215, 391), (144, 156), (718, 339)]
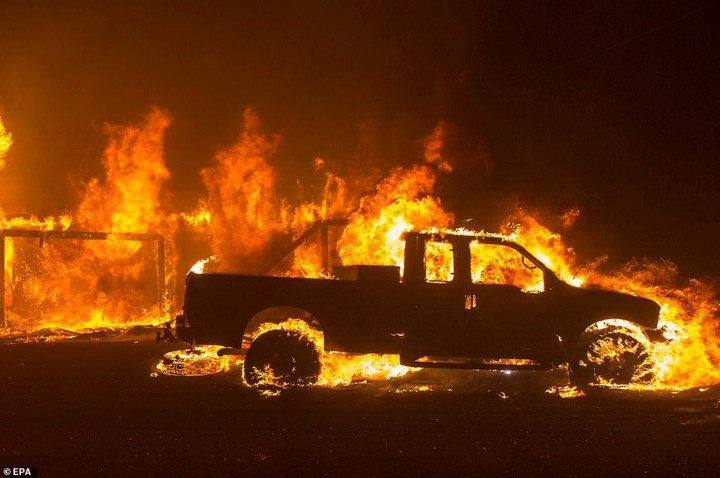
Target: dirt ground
[(92, 408)]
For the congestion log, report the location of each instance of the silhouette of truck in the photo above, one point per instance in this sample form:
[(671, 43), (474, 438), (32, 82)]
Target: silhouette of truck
[(464, 301)]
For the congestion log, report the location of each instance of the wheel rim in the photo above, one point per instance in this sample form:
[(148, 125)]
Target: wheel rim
[(617, 359), (281, 358)]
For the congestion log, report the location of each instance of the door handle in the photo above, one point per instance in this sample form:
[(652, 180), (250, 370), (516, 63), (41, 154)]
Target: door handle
[(470, 301)]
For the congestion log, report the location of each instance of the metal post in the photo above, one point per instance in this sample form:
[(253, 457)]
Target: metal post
[(3, 320), (161, 271), (324, 247)]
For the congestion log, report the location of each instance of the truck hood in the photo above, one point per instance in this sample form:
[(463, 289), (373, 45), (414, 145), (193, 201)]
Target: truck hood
[(608, 304)]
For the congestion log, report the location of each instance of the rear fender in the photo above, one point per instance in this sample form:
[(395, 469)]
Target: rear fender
[(272, 318)]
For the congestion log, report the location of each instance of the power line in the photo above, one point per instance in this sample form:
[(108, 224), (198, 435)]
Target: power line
[(626, 41)]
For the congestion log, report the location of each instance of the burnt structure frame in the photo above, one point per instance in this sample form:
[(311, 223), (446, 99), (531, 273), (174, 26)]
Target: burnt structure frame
[(42, 235), (322, 227)]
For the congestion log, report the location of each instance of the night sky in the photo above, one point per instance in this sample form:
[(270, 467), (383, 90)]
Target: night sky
[(610, 107)]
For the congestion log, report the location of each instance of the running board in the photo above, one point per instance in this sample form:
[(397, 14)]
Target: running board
[(475, 363)]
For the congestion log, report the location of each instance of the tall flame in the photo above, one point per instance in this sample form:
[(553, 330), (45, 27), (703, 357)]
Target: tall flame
[(241, 198), (401, 203), (524, 226), (128, 200)]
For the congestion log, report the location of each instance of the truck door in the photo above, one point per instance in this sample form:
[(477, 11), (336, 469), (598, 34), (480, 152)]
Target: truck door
[(435, 302), (507, 312), (478, 302)]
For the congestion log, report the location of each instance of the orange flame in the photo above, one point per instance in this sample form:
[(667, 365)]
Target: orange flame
[(434, 144), (401, 203), (79, 284), (5, 142), (195, 362), (525, 228), (334, 200), (241, 198), (129, 198), (340, 369), (689, 311), (198, 218)]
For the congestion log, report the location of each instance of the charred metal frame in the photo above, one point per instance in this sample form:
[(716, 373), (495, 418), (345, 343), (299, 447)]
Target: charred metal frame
[(83, 236), (318, 226)]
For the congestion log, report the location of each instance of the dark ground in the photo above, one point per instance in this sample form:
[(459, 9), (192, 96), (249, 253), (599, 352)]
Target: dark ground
[(92, 409)]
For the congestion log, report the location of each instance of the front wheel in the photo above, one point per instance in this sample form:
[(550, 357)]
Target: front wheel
[(611, 358), (281, 358)]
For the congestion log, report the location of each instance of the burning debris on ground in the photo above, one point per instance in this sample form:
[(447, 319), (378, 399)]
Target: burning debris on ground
[(193, 362)]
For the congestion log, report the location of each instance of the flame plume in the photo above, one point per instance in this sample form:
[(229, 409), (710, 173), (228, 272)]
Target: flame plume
[(129, 198), (434, 144), (401, 203), (334, 202), (524, 226), (241, 198)]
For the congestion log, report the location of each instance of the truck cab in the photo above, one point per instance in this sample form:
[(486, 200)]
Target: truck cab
[(485, 302), (478, 301)]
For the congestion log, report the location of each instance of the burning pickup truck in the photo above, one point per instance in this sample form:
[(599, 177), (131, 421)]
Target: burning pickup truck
[(471, 301)]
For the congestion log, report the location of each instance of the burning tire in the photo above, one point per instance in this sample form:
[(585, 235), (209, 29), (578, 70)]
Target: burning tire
[(611, 358), (281, 358)]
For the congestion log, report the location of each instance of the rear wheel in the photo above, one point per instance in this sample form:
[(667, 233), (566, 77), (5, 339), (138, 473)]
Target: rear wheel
[(611, 358), (281, 358)]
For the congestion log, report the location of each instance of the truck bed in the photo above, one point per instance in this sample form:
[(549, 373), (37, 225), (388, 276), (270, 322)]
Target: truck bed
[(355, 315)]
